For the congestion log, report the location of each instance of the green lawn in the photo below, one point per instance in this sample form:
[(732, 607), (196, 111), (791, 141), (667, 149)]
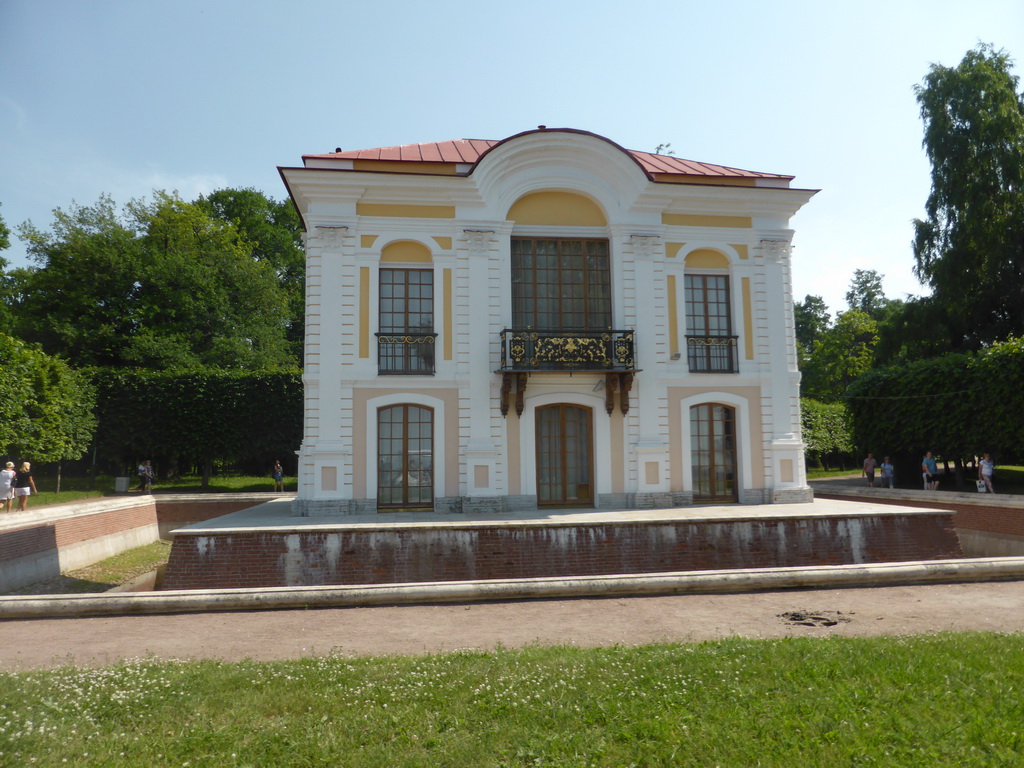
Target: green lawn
[(939, 700)]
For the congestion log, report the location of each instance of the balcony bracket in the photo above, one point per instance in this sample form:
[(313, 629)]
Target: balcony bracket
[(520, 391), (611, 382)]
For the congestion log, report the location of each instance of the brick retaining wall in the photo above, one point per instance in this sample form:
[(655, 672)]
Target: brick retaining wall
[(68, 536), (385, 555), (992, 514)]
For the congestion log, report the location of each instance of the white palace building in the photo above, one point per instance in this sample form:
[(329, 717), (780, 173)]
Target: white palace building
[(545, 321)]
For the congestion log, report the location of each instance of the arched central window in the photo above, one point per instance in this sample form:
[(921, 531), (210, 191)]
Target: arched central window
[(561, 284)]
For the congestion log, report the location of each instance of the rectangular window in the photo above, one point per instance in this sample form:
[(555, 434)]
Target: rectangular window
[(710, 344), (561, 285), (406, 337)]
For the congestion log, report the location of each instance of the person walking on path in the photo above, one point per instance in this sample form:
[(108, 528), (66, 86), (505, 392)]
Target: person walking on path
[(986, 468), (929, 472), (888, 473), (146, 476), (278, 475), (7, 476), (869, 469), (24, 485)]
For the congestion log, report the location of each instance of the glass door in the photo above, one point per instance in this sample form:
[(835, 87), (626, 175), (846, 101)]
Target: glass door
[(564, 456), (713, 453), (405, 458)]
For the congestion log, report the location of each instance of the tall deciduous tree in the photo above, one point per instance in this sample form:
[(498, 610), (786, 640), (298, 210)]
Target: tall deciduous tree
[(812, 320), (46, 407), (844, 352), (273, 230), (970, 246), (867, 295), (5, 235), (163, 285), (5, 279)]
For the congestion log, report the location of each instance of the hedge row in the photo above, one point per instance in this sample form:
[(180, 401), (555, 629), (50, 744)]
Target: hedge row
[(198, 416), (958, 406)]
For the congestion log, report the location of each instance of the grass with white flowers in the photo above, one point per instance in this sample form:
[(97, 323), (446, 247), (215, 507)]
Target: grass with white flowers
[(949, 699)]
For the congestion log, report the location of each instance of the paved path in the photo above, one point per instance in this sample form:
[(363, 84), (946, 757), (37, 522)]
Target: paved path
[(418, 629)]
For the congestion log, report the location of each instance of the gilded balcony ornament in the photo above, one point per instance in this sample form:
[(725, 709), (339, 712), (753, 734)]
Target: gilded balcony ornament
[(567, 351), (712, 354), (711, 341)]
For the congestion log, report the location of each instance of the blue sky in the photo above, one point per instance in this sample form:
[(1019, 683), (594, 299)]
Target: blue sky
[(126, 96)]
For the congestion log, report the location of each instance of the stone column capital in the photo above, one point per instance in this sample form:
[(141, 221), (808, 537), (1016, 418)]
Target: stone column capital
[(647, 246), (776, 250)]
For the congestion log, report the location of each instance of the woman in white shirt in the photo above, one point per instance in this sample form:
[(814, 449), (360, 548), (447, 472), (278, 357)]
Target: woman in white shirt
[(7, 476), (985, 469)]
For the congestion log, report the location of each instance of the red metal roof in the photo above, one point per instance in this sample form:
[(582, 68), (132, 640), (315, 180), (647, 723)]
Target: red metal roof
[(471, 150), (457, 151)]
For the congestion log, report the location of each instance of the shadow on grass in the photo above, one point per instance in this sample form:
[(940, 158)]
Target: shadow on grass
[(63, 585)]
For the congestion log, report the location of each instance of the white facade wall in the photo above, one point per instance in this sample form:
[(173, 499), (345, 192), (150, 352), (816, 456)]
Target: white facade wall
[(483, 460)]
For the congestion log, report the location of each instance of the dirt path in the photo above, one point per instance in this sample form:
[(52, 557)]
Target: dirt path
[(270, 635)]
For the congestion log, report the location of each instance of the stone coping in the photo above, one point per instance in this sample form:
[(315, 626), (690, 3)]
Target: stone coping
[(276, 515), (846, 487), (56, 512), (619, 585)]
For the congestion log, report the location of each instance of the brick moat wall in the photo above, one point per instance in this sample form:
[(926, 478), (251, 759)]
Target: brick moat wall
[(52, 534), (974, 516), (397, 555), (45, 535)]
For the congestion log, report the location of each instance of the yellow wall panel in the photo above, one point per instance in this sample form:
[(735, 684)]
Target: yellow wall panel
[(672, 249), (557, 208), (448, 334), (704, 220), (364, 312), (673, 316), (404, 251), (748, 320), (406, 211), (706, 258)]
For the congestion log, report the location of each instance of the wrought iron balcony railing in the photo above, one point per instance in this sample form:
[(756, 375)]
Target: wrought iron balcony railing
[(536, 350), (712, 354), (405, 353)]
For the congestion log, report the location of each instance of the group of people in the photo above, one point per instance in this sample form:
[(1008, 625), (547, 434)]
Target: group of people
[(929, 472), (888, 473), (16, 484)]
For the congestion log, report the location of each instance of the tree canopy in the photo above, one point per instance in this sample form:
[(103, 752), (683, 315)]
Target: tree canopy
[(5, 235), (812, 320), (46, 407), (273, 230), (959, 405), (840, 355), (970, 247), (162, 284)]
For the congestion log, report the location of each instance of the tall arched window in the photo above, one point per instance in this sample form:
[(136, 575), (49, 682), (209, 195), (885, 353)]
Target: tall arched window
[(406, 337), (711, 346)]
